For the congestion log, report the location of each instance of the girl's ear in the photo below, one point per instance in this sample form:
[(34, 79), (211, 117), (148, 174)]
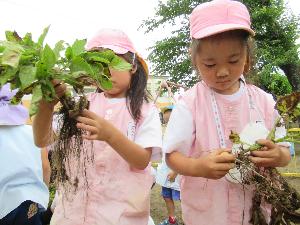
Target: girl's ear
[(133, 69)]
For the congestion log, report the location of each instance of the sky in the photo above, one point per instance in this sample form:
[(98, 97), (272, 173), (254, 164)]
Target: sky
[(71, 19)]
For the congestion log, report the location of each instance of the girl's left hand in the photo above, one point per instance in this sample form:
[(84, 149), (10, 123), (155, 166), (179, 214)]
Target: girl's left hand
[(98, 128), (270, 155)]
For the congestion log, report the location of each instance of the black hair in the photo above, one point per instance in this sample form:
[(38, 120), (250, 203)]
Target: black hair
[(137, 92)]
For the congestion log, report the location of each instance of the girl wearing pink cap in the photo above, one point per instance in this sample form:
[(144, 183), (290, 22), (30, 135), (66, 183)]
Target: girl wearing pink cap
[(200, 124), (126, 134)]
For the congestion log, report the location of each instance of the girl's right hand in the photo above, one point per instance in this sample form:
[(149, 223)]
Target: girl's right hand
[(214, 165), (60, 90)]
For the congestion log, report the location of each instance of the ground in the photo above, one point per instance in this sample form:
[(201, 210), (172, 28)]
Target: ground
[(158, 207), (159, 211)]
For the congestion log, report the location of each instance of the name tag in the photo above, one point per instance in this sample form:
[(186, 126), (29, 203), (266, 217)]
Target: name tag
[(131, 130)]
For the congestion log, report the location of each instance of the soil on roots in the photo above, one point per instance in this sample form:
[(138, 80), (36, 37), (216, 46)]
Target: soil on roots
[(71, 153), (269, 187)]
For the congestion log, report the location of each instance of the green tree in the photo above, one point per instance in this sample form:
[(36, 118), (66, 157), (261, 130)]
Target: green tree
[(277, 30)]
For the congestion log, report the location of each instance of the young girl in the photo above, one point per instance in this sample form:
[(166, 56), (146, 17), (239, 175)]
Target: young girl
[(200, 124), (126, 132), (23, 194)]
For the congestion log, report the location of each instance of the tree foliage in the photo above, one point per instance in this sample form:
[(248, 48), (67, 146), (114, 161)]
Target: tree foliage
[(277, 30)]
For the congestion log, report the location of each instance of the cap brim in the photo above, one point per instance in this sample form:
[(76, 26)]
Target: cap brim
[(212, 30), (116, 49)]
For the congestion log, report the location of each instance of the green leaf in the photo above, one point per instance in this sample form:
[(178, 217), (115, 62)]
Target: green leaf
[(107, 54), (7, 75), (11, 54), (12, 36), (28, 57), (1, 48), (27, 75), (59, 46), (97, 69), (102, 56), (69, 53), (120, 64), (70, 79), (106, 83), (79, 64), (11, 58), (48, 91), (48, 57), (106, 72), (98, 59), (36, 98), (41, 70), (27, 40), (78, 47), (43, 35)]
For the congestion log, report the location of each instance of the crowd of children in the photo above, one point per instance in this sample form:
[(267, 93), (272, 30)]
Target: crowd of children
[(125, 129)]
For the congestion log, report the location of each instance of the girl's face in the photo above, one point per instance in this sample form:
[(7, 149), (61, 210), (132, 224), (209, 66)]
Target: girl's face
[(221, 61), (120, 83)]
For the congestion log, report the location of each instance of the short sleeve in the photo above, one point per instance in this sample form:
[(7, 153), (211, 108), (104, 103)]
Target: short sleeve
[(149, 133), (180, 130)]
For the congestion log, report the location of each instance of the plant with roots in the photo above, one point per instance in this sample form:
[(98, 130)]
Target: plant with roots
[(31, 67), (269, 185)]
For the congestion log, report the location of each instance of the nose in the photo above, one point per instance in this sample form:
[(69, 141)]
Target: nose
[(222, 72)]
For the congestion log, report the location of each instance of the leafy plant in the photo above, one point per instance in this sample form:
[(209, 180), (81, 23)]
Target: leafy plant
[(31, 67), (269, 185)]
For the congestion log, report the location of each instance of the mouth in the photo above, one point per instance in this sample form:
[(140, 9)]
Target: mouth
[(223, 82)]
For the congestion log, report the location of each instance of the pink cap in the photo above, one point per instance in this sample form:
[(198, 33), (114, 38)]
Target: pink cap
[(219, 16), (113, 39), (117, 41)]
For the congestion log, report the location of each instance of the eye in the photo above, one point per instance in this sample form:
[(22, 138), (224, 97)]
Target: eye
[(209, 65), (234, 61)]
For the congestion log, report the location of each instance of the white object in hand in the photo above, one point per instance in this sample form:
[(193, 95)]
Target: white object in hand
[(250, 134)]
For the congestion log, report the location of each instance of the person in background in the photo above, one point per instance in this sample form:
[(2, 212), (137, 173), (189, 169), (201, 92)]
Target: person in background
[(168, 179), (23, 193)]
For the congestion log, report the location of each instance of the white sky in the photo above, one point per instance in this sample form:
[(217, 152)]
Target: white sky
[(82, 18)]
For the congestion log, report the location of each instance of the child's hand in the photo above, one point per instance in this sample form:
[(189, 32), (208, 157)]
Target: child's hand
[(172, 176), (270, 155), (215, 165), (97, 127), (60, 90)]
